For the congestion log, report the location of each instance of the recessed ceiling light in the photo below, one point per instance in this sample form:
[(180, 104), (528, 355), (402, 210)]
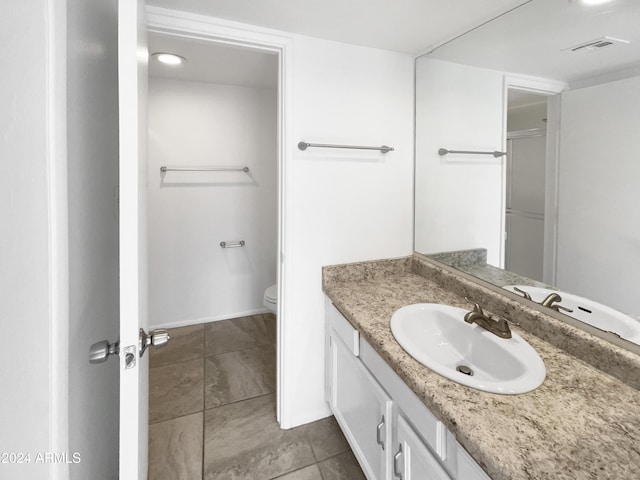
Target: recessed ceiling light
[(595, 2), (169, 58)]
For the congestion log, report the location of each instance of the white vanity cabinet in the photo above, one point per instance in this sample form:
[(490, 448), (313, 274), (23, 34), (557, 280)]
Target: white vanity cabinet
[(362, 408), (392, 434), (412, 459)]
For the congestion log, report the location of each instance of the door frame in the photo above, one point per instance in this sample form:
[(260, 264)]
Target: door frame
[(212, 29), (551, 89)]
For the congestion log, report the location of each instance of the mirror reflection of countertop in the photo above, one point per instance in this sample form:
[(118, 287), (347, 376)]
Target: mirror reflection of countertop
[(474, 262), (580, 423)]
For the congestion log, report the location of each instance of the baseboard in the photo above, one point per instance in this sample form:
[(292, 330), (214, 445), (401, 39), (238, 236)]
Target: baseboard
[(217, 318)]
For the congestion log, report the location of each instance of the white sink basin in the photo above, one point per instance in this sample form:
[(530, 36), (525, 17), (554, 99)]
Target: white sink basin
[(438, 337), (587, 311)]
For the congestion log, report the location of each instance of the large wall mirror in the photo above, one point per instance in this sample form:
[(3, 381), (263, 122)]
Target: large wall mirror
[(528, 158)]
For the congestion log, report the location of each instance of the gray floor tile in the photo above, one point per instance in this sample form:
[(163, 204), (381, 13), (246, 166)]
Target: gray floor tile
[(325, 437), (175, 449), (342, 467), (237, 334), (311, 472), (186, 343), (244, 441), (175, 390), (272, 326), (234, 376)]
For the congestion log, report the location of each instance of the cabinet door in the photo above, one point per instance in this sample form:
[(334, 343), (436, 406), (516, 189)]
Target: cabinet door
[(362, 409), (468, 469), (412, 460)]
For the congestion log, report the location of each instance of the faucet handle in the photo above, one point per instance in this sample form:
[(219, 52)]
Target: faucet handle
[(524, 294), (551, 299), (476, 306), (508, 320)]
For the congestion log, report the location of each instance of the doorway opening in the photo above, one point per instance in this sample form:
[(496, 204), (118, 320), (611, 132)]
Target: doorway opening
[(530, 179), (525, 183), (214, 218), (212, 181)]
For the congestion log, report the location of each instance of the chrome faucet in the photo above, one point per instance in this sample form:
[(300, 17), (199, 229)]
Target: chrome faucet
[(497, 327), (550, 302)]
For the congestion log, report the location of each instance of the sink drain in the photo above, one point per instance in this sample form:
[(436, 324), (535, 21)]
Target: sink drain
[(464, 369)]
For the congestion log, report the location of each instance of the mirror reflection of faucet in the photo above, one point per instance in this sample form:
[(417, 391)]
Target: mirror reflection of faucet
[(552, 300), (588, 311), (524, 294)]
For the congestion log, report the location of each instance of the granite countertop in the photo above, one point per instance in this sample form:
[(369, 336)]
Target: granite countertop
[(581, 423), (474, 262)]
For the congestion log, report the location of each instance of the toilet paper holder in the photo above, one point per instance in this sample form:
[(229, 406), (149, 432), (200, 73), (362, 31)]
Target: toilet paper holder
[(232, 244)]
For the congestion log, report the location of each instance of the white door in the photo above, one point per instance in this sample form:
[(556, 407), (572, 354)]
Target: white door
[(525, 206), (134, 370)]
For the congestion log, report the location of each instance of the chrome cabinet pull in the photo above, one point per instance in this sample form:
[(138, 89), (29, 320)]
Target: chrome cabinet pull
[(396, 457), (378, 431)]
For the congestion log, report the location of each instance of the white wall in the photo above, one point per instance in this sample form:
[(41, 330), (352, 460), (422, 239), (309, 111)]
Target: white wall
[(458, 197), (92, 114), (25, 282), (525, 117), (599, 225), (191, 278), (344, 206), (348, 205)]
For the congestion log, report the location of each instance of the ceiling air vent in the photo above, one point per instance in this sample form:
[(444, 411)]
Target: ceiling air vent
[(597, 44)]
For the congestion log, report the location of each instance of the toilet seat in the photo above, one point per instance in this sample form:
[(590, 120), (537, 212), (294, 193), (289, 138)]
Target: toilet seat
[(270, 300), (271, 294)]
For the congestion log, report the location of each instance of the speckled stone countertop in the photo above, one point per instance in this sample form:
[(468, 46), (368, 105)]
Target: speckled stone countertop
[(581, 423), (474, 262)]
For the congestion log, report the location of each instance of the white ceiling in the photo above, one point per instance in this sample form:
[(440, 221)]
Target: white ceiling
[(409, 26), (528, 40), (213, 63), (532, 40)]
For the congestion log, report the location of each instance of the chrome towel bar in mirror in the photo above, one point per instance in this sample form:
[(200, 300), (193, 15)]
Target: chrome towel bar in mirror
[(304, 145), (164, 169), (444, 151)]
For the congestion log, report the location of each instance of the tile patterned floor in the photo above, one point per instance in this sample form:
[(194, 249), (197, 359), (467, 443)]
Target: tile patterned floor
[(212, 411)]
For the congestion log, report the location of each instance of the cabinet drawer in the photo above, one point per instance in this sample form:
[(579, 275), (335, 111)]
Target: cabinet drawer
[(343, 329)]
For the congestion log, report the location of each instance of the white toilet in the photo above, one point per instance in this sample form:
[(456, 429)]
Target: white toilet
[(271, 298)]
